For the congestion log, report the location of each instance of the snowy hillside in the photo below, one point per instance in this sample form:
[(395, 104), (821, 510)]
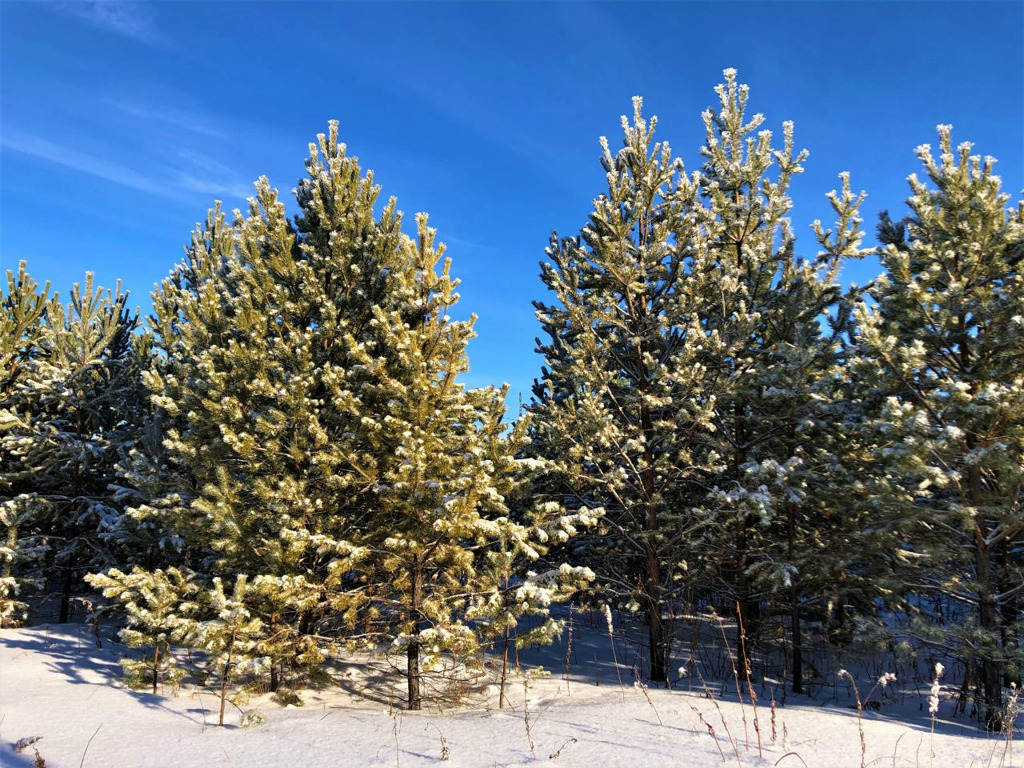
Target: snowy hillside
[(56, 685)]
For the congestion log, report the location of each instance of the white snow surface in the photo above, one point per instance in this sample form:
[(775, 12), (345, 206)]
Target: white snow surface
[(55, 684)]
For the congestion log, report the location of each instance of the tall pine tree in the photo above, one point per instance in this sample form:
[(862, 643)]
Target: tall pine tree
[(942, 349), (687, 368), (65, 429), (780, 325), (21, 323), (621, 407)]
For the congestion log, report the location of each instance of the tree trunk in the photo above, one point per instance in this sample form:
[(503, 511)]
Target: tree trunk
[(1009, 613), (988, 620), (652, 567), (748, 608), (223, 694), (413, 651), (794, 603), (225, 676), (156, 666), (988, 610), (504, 672), (991, 684), (798, 656), (988, 615), (65, 594), (413, 675), (223, 697), (275, 678), (656, 638)]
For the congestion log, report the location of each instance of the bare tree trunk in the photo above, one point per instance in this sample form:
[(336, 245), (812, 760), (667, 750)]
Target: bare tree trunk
[(991, 684), (156, 666), (794, 607), (656, 637), (413, 651), (504, 672), (652, 566), (988, 618), (65, 594)]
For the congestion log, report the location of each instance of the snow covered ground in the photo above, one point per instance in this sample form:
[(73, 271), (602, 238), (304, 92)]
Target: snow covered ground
[(55, 684)]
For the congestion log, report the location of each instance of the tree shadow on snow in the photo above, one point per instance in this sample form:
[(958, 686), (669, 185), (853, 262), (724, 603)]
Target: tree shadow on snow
[(70, 651)]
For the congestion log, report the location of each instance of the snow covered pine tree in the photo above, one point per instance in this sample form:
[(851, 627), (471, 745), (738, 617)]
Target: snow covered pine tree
[(619, 408), (685, 348), (64, 429), (24, 307), (943, 350), (310, 377)]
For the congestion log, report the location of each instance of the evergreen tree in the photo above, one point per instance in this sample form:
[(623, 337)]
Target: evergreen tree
[(623, 403), (251, 358), (320, 438), (160, 609), (21, 323), (780, 325), (24, 306), (943, 351), (20, 555), (232, 637), (65, 428), (147, 483), (687, 372)]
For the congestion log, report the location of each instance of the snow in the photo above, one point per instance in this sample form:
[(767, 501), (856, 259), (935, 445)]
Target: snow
[(56, 685)]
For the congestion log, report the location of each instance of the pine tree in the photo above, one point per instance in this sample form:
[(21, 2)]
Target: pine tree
[(687, 369), (21, 322), (65, 427), (232, 637), (622, 406), (160, 609), (292, 653), (780, 325), (944, 348), (147, 483), (20, 556), (246, 385), (317, 434)]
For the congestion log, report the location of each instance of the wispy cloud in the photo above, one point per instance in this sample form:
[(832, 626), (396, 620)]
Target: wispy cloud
[(94, 166), (134, 20), (204, 161), (197, 173), (177, 118), (203, 173), (216, 187)]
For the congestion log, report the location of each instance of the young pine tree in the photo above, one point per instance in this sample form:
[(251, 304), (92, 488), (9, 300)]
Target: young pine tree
[(943, 350), (160, 609), (232, 637)]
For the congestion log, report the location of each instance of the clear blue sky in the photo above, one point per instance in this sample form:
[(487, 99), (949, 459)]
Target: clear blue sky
[(122, 122)]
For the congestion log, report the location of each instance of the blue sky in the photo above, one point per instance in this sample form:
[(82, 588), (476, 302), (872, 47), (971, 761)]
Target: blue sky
[(122, 122)]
